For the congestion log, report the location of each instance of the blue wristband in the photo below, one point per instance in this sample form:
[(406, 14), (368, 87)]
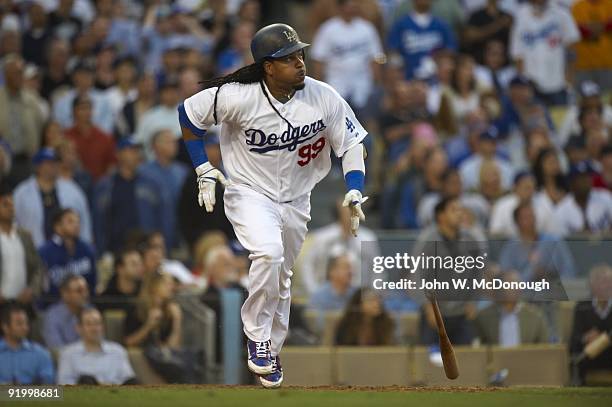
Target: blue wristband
[(196, 151), (354, 180), (195, 148)]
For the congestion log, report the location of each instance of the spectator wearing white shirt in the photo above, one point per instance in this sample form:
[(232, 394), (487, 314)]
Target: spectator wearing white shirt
[(585, 209), (332, 240), (20, 265), (124, 90), (93, 360), (494, 73), (541, 37), (347, 53), (552, 188), (486, 150), (502, 222)]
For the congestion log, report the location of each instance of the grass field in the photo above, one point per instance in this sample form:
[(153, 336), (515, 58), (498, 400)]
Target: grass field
[(179, 396)]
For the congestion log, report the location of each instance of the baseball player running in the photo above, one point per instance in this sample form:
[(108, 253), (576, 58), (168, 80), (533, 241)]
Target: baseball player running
[(277, 128)]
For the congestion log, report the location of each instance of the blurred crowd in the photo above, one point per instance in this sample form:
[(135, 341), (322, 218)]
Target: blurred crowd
[(487, 118)]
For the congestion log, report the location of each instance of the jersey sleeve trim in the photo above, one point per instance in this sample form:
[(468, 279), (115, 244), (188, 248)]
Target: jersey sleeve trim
[(186, 122)]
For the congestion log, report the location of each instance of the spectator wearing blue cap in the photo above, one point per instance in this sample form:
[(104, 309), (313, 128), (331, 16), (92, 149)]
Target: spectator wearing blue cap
[(585, 209), (486, 150), (521, 109), (501, 223), (44, 193), (126, 200)]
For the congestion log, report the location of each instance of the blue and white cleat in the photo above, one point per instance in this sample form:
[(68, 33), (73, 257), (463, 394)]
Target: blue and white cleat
[(260, 361), (274, 379)]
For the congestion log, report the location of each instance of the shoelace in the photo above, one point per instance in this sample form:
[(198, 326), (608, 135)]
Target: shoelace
[(261, 349)]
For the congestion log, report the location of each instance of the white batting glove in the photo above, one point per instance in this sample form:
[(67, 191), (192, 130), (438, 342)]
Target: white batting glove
[(353, 200), (207, 179)]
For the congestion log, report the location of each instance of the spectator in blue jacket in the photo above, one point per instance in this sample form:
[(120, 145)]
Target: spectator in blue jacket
[(170, 176), (65, 253), (126, 200), (22, 361), (416, 36)]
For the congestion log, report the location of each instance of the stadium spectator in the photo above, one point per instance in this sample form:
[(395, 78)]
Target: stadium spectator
[(590, 97), (124, 285), (510, 322), (37, 36), (123, 91), (494, 72), (521, 109), (95, 148), (160, 117), (416, 35), (55, 77), (330, 240), (407, 107), (347, 54), (63, 23), (452, 188), (221, 273), (594, 50), (93, 360), (365, 321), (44, 193), (486, 150), (22, 361), (132, 111), (485, 25), (60, 320), (70, 167), (20, 265), (452, 239), (542, 34), (585, 209), (83, 85), (155, 324), (156, 248), (21, 119), (123, 32), (32, 83), (238, 54), (490, 182), (170, 176), (534, 254), (65, 254), (552, 187), (125, 200), (463, 95), (604, 178), (337, 290), (104, 70), (502, 223), (593, 318)]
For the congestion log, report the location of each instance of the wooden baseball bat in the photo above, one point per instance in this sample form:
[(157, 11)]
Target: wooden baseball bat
[(446, 348)]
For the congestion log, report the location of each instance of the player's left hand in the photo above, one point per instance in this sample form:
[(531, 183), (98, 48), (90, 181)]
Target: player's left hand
[(353, 200)]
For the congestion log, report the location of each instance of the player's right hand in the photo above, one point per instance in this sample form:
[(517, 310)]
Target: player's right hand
[(207, 180), (353, 200)]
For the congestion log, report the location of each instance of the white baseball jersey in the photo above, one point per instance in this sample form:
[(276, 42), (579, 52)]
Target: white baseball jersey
[(262, 151)]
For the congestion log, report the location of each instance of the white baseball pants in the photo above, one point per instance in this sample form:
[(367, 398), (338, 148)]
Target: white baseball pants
[(273, 233)]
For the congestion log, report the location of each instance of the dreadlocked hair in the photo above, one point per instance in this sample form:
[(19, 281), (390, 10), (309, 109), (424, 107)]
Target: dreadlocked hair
[(252, 73)]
